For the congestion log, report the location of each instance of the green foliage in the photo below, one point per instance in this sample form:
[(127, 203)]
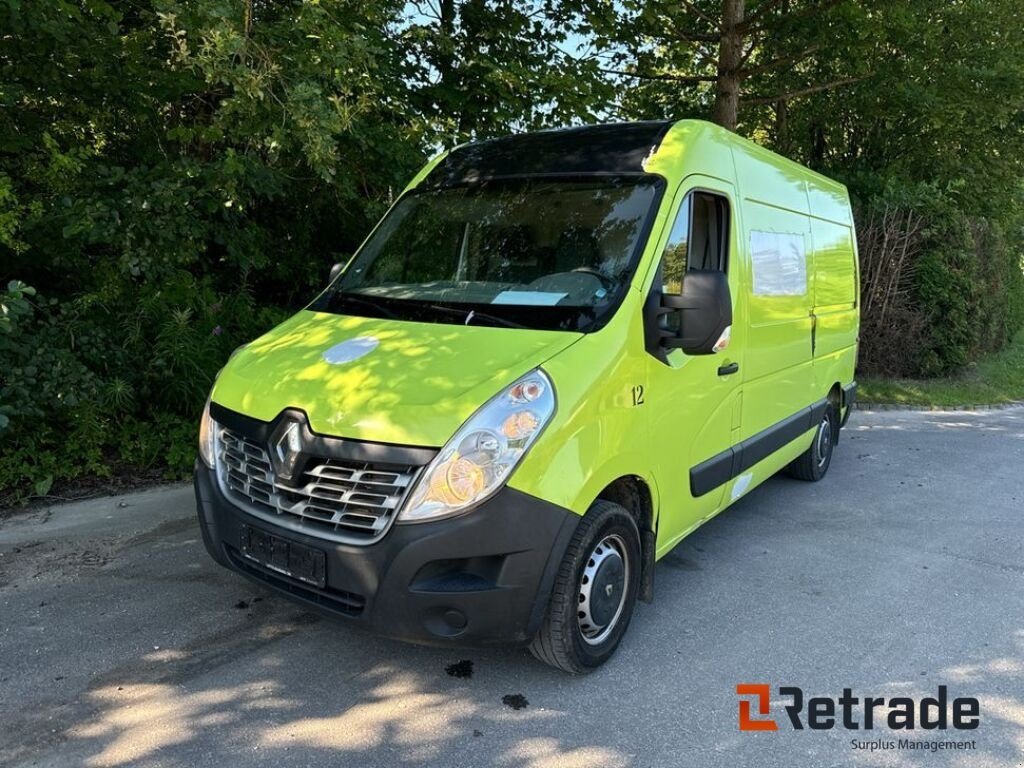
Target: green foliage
[(997, 379), (479, 69), (101, 381), (965, 291), (945, 279), (178, 175), (914, 104)]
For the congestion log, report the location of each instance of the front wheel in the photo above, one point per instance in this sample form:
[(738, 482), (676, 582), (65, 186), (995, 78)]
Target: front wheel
[(594, 593), (814, 462)]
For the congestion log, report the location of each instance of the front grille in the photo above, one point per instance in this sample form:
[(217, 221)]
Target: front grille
[(353, 502)]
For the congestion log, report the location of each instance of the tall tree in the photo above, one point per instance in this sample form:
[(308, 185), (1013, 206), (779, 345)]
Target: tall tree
[(160, 135), (917, 106), (943, 103), (722, 52), (481, 68)]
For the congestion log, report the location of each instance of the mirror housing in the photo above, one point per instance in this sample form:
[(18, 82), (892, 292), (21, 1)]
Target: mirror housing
[(335, 271), (705, 311)]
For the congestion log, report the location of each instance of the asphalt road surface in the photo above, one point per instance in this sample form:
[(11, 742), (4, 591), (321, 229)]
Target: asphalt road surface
[(121, 643)]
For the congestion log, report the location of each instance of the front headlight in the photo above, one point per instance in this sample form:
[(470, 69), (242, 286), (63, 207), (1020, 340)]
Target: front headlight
[(478, 460), (207, 436), (207, 426)]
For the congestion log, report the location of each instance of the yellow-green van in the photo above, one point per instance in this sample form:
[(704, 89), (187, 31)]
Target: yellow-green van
[(557, 355)]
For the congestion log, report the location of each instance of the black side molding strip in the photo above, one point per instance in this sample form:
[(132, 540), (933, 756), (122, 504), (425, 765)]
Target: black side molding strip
[(732, 462)]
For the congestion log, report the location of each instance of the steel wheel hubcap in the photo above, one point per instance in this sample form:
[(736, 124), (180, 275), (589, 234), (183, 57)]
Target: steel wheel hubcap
[(824, 443), (602, 589)]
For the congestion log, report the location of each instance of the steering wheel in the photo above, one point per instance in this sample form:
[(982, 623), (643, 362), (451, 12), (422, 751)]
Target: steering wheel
[(606, 282)]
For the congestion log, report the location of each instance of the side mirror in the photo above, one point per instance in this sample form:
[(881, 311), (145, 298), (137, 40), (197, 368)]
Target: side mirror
[(705, 310), (335, 271)]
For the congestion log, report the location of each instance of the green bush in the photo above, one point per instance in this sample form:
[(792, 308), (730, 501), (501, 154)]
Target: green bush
[(945, 293), (185, 189), (999, 287), (113, 380), (175, 177), (958, 293), (970, 287)]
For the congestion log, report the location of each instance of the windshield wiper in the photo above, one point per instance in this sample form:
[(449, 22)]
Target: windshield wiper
[(472, 314), (366, 303)]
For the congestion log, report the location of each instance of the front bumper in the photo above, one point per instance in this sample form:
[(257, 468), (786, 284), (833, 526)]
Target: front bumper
[(482, 577)]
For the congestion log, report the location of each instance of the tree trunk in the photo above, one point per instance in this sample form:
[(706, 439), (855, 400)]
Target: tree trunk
[(782, 106), (730, 57), (445, 58), (781, 126), (447, 79), (818, 146)]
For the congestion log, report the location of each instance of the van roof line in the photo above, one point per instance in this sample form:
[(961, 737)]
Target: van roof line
[(605, 148), (609, 148)]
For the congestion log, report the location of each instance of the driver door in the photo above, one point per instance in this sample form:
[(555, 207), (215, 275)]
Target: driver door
[(697, 398)]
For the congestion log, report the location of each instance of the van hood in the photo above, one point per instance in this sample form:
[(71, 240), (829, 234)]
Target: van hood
[(380, 380)]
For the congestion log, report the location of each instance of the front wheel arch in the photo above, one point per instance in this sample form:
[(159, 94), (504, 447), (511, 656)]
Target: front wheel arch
[(560, 641)]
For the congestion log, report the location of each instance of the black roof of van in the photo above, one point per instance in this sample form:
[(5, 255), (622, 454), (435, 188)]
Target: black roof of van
[(590, 149)]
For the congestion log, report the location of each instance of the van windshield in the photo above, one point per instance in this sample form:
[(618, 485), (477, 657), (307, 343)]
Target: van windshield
[(534, 253)]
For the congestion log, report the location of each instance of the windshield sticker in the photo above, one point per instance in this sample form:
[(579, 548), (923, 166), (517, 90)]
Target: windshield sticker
[(780, 263), (534, 298), (350, 350)]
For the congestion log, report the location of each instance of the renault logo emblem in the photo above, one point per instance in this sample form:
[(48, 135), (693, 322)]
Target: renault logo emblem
[(287, 448)]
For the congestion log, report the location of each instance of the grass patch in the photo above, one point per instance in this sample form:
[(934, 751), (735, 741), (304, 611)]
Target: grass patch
[(991, 381)]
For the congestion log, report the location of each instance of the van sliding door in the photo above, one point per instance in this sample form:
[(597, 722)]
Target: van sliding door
[(779, 380)]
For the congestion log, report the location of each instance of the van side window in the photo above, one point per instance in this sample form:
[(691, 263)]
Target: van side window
[(709, 232), (698, 240)]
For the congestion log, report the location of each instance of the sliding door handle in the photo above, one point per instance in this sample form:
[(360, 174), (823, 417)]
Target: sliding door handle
[(728, 370)]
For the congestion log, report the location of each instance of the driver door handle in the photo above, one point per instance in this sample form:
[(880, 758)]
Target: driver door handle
[(728, 370)]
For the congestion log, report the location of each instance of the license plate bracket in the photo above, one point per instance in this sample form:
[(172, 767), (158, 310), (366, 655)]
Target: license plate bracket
[(297, 561)]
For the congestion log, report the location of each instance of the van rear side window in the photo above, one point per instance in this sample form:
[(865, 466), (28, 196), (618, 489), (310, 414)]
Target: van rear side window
[(698, 240)]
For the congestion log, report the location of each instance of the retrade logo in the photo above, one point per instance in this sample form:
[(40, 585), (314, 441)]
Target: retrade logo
[(763, 695), (822, 713)]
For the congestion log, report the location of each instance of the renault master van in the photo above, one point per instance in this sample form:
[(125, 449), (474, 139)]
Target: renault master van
[(557, 355)]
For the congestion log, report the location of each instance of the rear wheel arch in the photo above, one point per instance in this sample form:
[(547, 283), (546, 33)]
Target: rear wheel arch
[(836, 401), (835, 395), (813, 463)]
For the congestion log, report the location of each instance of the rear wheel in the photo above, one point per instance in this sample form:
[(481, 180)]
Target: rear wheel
[(594, 593), (814, 462)]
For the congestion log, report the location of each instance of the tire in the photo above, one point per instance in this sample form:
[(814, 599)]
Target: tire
[(583, 627), (815, 461)]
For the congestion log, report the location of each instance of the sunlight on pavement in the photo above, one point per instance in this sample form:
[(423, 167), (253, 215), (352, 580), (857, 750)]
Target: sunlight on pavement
[(550, 753), (394, 712), (139, 720)]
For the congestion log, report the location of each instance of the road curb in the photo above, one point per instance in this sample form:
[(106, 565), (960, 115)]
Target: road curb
[(862, 406)]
